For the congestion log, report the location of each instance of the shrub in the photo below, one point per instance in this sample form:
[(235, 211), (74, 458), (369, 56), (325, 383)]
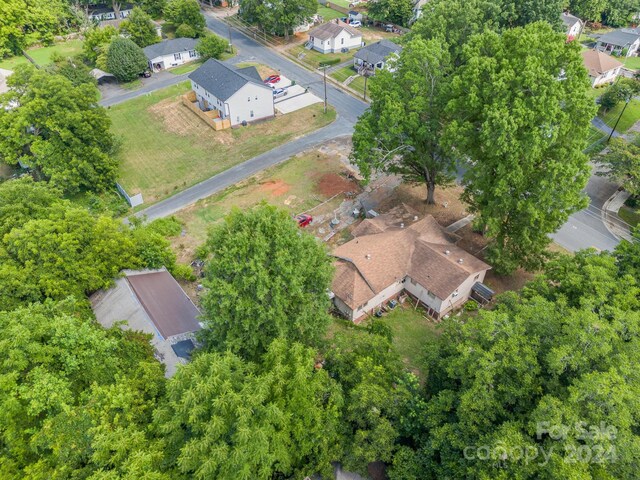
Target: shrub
[(186, 31), (211, 46), (125, 59)]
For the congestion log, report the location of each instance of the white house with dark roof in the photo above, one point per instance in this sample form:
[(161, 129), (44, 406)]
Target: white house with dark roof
[(171, 53), (602, 68), (375, 55), (572, 24), (332, 37), (621, 42), (238, 94), (390, 256), (103, 12)]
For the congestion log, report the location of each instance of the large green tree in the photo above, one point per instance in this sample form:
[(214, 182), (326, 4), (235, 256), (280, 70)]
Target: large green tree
[(543, 386), (76, 399), (521, 114), (398, 12), (185, 12), (401, 131), (125, 59), (279, 17), (152, 7), (230, 419), (58, 129), (265, 279), (212, 46), (621, 161), (96, 44), (139, 28)]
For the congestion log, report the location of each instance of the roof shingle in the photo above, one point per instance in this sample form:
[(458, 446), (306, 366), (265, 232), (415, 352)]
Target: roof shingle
[(333, 29), (222, 80), (169, 47)]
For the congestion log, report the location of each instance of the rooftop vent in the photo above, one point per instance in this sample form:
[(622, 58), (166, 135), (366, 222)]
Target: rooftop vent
[(402, 225), (415, 218), (368, 256), (447, 252), (460, 260)]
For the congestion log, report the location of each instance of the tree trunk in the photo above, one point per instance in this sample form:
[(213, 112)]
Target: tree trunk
[(431, 193), (115, 4)]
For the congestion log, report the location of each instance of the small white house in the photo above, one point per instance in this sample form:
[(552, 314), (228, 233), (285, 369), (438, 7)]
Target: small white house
[(602, 68), (573, 25), (171, 53), (376, 55), (388, 257), (622, 42), (237, 94), (99, 13), (332, 37)]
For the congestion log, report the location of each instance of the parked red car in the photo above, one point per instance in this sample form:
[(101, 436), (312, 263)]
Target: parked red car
[(303, 219), (272, 79)]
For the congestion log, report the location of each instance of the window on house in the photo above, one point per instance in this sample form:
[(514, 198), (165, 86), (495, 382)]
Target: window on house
[(238, 119), (430, 294), (256, 97), (248, 99), (177, 56), (192, 54), (342, 41), (413, 282), (477, 277), (251, 113)]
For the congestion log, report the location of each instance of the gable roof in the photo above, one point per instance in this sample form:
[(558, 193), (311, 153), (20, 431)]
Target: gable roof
[(333, 29), (377, 52), (169, 47), (222, 80), (569, 20), (383, 253), (598, 63), (621, 37)]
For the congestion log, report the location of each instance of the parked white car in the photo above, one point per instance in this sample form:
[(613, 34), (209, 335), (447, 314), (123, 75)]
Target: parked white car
[(355, 23)]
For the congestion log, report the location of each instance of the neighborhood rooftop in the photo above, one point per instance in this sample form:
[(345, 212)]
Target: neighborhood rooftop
[(169, 47), (620, 37), (598, 63), (332, 29), (224, 80), (384, 253), (377, 52), (568, 19)]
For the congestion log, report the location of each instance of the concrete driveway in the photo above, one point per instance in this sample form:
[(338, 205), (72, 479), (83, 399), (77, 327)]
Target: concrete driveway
[(296, 99), (113, 93)]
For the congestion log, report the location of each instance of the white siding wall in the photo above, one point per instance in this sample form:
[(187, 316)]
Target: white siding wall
[(335, 44), (607, 77), (464, 291), (421, 294), (574, 31), (212, 100), (251, 98), (389, 292), (169, 61)]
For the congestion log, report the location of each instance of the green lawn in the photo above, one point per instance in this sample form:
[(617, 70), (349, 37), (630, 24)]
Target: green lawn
[(42, 56), (632, 63), (328, 14), (595, 141), (314, 58), (631, 115), (167, 148), (343, 73), (630, 215), (340, 3), (412, 333), (186, 68), (358, 84)]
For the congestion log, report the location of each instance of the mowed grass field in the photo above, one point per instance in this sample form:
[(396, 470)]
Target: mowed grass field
[(42, 56), (166, 148)]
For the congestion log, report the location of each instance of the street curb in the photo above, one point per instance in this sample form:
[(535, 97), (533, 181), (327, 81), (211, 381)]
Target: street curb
[(615, 230)]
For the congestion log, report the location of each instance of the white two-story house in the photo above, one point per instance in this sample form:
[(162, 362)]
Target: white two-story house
[(237, 94), (332, 37), (171, 53)]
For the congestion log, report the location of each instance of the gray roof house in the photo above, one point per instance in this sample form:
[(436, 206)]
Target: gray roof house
[(238, 94), (375, 55), (620, 42), (171, 53)]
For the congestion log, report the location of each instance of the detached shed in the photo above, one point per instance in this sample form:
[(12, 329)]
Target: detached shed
[(152, 302)]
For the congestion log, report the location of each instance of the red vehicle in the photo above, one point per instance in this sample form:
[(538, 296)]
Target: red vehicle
[(303, 219), (272, 79)]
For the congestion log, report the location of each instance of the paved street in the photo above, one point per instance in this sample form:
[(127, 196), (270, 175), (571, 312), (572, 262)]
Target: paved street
[(114, 94)]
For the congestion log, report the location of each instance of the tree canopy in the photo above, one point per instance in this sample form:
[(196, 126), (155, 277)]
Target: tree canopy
[(400, 132), (398, 12), (139, 28), (621, 161), (57, 129), (521, 116), (265, 279), (185, 12), (125, 59), (279, 17), (211, 46)]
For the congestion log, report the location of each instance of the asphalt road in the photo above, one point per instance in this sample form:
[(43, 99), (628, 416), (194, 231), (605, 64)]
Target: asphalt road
[(113, 94)]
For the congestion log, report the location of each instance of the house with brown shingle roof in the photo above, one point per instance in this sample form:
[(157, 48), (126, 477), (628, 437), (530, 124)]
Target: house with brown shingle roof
[(334, 36), (386, 258), (602, 68)]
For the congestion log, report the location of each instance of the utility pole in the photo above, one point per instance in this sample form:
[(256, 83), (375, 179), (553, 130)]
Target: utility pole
[(619, 117), (229, 27), (364, 97), (324, 69)]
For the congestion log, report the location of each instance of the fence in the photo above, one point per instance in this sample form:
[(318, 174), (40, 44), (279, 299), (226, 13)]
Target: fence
[(211, 117), (132, 201)]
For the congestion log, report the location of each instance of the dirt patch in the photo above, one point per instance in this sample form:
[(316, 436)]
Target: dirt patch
[(331, 184), (178, 119), (263, 70), (276, 188)]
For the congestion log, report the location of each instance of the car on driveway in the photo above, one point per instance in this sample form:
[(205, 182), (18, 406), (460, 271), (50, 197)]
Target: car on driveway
[(271, 79), (355, 23), (303, 219), (279, 92)]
